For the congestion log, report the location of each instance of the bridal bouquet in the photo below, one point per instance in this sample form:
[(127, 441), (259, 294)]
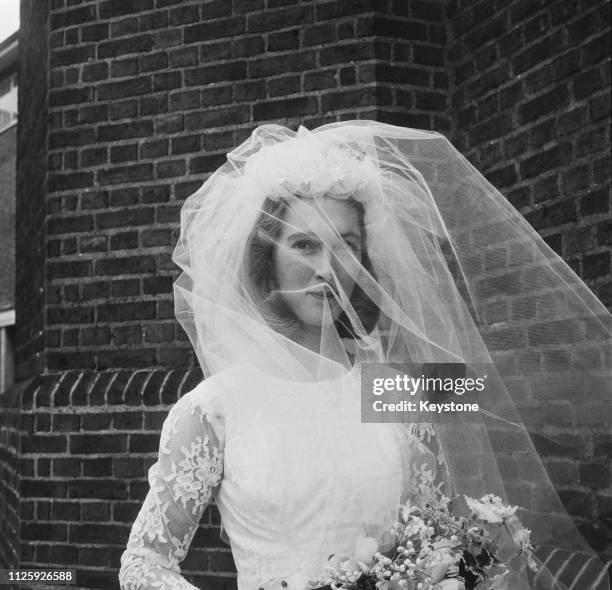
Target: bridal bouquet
[(437, 544)]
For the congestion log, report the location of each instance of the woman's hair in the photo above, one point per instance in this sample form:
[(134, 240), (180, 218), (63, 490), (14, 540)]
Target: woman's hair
[(261, 275)]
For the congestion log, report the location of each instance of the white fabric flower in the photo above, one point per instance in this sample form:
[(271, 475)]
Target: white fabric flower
[(309, 167), (490, 508)]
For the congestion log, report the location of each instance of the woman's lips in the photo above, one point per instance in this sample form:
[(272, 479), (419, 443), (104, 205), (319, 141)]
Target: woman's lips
[(321, 294)]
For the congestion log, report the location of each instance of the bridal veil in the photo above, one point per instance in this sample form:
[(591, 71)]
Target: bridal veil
[(446, 271)]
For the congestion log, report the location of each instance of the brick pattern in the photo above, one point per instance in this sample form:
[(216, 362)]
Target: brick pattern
[(10, 404), (531, 85), (145, 99), (92, 435), (531, 97)]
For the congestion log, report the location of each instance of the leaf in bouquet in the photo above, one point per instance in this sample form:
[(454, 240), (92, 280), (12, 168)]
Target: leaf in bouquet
[(368, 582), (446, 544), (484, 558), (459, 507), (472, 581), (469, 559), (507, 539), (492, 531), (467, 571), (387, 542), (494, 545), (503, 549)]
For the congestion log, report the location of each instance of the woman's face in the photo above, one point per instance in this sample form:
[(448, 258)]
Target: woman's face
[(318, 250)]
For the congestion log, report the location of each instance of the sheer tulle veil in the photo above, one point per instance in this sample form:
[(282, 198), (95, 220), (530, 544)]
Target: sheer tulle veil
[(446, 271)]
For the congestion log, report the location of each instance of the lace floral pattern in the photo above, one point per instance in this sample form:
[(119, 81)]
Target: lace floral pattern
[(196, 474), (425, 433), (152, 524), (182, 482)]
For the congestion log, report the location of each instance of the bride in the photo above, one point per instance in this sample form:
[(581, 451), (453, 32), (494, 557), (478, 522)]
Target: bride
[(307, 257)]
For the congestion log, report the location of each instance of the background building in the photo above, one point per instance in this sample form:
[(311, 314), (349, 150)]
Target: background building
[(126, 106), (9, 63)]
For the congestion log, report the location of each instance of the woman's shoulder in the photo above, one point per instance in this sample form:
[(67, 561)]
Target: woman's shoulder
[(204, 405), (215, 392)]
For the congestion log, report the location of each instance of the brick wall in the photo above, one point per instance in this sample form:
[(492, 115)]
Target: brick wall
[(92, 435), (530, 92), (531, 103), (10, 405), (144, 99)]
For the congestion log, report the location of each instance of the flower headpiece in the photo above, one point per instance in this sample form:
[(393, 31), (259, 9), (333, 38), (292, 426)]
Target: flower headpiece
[(307, 166)]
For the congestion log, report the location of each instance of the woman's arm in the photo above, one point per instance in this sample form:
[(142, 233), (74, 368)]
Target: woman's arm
[(182, 482), (418, 458)]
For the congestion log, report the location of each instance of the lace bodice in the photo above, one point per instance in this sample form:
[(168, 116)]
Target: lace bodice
[(295, 474)]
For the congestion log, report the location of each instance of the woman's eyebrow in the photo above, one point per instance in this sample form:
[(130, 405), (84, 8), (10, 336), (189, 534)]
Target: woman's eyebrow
[(300, 234), (311, 234), (350, 234)]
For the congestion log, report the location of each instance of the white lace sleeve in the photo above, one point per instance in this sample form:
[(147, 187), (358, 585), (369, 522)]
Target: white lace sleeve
[(418, 458), (182, 482)]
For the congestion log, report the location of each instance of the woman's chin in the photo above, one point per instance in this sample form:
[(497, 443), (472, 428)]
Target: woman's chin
[(320, 315), (317, 323)]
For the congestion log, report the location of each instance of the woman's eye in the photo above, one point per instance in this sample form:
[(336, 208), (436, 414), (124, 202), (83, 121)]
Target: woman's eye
[(306, 245), (354, 247)]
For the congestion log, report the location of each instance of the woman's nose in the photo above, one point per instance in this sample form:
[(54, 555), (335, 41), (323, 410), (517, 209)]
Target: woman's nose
[(323, 266)]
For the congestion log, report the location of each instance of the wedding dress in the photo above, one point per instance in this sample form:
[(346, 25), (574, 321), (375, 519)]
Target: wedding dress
[(292, 489)]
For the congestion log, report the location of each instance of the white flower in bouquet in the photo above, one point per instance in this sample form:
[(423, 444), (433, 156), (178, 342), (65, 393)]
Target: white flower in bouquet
[(407, 510), (347, 566), (520, 535), (501, 582), (490, 508), (433, 543), (440, 561), (365, 548), (415, 526)]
